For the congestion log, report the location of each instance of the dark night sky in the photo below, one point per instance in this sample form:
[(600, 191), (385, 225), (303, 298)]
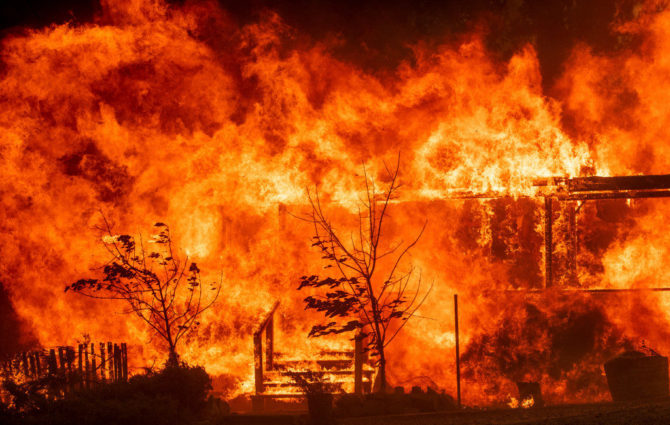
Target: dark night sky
[(376, 33)]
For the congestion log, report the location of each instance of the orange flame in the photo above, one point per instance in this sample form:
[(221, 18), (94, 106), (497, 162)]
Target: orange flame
[(176, 113)]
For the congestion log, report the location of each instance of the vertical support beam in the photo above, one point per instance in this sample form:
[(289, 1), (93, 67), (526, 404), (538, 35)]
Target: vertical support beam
[(548, 242), (572, 242), (103, 365), (269, 344), (458, 354), (110, 362), (124, 361), (94, 374), (53, 367), (26, 369), (87, 373), (117, 363), (81, 373), (33, 368), (358, 364), (38, 365), (61, 360), (258, 362)]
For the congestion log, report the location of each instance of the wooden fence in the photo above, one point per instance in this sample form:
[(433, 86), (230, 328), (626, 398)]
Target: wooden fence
[(77, 367)]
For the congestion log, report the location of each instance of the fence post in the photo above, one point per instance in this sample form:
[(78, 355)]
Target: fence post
[(94, 374), (103, 375), (124, 360)]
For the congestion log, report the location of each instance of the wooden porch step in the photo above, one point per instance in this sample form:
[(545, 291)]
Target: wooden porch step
[(313, 364), (276, 384), (275, 373), (323, 353)]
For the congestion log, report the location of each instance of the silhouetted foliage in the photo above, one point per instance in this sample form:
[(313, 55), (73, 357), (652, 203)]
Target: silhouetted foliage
[(164, 291), (377, 305), (174, 395)]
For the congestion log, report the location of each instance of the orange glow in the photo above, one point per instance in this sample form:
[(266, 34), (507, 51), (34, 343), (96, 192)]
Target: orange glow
[(147, 116)]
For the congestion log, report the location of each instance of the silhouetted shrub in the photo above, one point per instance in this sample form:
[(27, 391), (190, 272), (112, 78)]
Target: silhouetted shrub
[(351, 405), (174, 395)]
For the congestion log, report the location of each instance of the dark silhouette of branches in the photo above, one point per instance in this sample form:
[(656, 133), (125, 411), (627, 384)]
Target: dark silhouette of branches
[(359, 297), (165, 292)]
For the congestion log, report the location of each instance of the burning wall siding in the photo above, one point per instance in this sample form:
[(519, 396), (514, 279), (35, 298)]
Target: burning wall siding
[(178, 114)]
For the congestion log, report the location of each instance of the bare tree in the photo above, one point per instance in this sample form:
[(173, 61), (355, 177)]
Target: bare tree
[(165, 292), (378, 304)]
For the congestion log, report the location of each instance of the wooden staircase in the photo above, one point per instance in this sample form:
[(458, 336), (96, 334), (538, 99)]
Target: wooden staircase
[(271, 368)]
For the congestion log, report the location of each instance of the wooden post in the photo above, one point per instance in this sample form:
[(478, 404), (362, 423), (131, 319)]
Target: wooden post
[(572, 244), (358, 364), (94, 374), (26, 371), (110, 361), (87, 374), (124, 360), (117, 363), (61, 360), (103, 365), (38, 365), (53, 367), (269, 344), (69, 352), (258, 362), (33, 368), (458, 354), (80, 368), (548, 242)]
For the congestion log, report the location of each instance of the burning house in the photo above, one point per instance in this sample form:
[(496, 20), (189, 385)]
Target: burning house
[(545, 198)]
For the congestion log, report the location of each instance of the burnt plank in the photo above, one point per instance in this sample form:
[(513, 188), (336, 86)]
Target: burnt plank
[(595, 184)]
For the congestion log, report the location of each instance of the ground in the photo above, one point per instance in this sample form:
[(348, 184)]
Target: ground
[(640, 413)]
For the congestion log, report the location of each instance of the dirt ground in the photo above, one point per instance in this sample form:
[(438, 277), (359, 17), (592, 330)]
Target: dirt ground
[(649, 413)]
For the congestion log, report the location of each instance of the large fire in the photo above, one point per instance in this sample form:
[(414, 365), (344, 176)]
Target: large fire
[(178, 114)]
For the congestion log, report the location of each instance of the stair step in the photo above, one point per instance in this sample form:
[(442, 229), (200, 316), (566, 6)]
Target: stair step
[(313, 364), (280, 395), (323, 353), (274, 373), (275, 384)]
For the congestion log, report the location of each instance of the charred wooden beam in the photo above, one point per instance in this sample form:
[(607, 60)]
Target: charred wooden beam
[(53, 367), (26, 369), (94, 374), (269, 344), (33, 368), (594, 196), (573, 243), (258, 363), (110, 361), (124, 360), (548, 242), (618, 183), (587, 290)]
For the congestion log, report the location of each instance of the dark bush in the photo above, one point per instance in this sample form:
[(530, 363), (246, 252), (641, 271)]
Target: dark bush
[(174, 395), (188, 385), (350, 405)]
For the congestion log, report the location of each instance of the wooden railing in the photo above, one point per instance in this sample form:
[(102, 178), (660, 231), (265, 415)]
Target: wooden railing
[(267, 329)]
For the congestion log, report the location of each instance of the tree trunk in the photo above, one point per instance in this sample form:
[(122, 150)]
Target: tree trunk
[(382, 371), (173, 358)]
